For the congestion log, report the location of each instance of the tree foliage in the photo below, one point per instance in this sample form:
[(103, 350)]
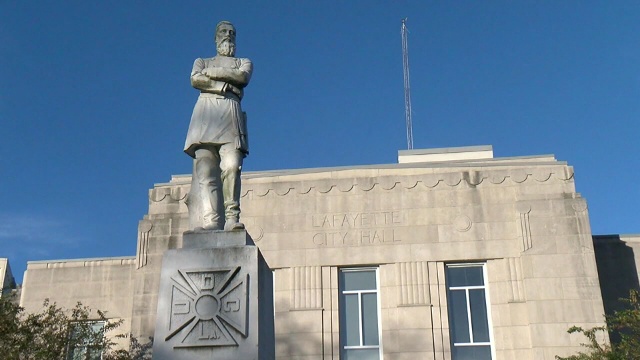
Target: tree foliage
[(56, 333), (625, 323)]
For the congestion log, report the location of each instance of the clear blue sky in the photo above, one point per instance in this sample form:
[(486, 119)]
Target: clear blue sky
[(95, 99)]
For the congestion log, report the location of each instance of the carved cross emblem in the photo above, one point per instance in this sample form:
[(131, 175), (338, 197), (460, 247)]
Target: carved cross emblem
[(208, 307)]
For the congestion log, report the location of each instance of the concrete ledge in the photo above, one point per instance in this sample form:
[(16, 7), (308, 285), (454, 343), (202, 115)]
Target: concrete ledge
[(207, 239), (634, 238), (481, 152), (64, 263)]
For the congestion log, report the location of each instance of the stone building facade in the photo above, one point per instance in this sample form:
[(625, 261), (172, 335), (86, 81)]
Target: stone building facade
[(449, 254), (6, 277)]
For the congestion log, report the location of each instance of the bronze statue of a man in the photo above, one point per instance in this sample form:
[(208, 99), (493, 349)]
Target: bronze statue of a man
[(217, 136)]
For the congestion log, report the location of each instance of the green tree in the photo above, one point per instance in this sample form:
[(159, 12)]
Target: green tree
[(625, 323), (56, 333)]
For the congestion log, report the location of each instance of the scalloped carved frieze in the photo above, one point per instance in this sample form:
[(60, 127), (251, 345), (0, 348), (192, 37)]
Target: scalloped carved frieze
[(173, 193), (452, 179), (470, 178), (430, 181)]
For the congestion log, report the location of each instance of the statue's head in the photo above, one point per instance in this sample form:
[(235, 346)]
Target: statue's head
[(226, 38)]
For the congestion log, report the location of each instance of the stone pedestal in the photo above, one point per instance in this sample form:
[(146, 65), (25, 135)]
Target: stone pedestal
[(215, 300)]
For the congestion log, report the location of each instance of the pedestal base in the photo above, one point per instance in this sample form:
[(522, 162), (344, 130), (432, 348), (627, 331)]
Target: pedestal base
[(215, 302)]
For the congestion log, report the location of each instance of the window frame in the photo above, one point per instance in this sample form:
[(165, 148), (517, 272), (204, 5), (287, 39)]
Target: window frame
[(487, 303), (341, 309), (83, 347)]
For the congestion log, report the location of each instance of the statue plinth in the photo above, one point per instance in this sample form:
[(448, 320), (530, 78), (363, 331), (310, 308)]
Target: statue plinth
[(215, 300)]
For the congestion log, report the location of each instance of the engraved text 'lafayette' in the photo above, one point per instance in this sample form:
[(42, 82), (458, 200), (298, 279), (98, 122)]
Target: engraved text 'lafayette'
[(362, 228)]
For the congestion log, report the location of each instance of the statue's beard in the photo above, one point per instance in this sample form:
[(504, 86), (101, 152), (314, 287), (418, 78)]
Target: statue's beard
[(226, 47)]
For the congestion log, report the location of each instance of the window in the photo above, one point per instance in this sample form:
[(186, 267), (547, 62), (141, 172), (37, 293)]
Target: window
[(359, 314), (85, 341), (468, 314)]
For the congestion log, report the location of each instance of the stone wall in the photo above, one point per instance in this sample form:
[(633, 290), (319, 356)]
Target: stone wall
[(104, 284)]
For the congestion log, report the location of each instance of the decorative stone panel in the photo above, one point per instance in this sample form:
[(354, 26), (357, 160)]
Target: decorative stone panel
[(144, 228), (523, 210), (306, 288), (413, 280)]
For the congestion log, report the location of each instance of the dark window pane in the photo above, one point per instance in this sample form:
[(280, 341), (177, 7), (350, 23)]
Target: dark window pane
[(464, 276), (370, 319), (358, 280), (83, 339), (361, 354), (479, 320), (94, 354), (85, 353), (459, 322), (351, 321), (97, 327), (471, 352)]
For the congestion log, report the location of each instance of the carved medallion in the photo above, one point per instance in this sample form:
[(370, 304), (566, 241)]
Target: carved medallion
[(208, 307), (462, 223)]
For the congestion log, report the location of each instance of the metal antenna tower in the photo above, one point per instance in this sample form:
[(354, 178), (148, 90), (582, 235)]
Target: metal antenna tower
[(407, 86)]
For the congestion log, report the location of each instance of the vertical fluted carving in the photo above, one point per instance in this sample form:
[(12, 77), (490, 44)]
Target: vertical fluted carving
[(144, 227), (525, 225), (515, 279), (413, 278), (439, 315), (306, 287)]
